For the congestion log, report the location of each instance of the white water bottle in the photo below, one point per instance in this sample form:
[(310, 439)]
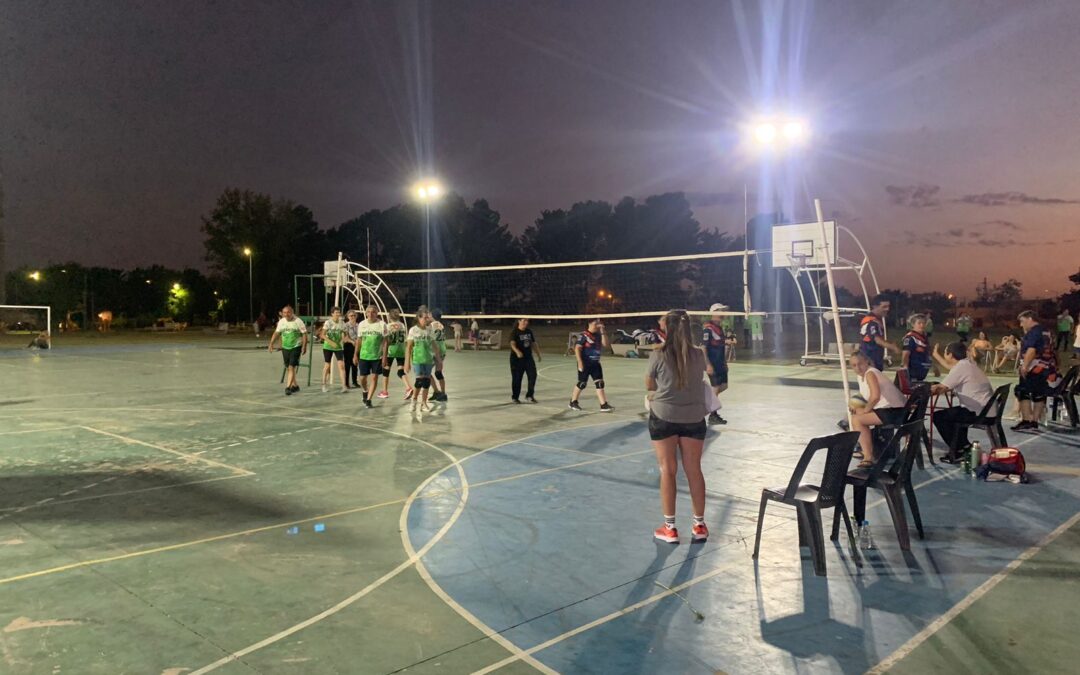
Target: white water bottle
[(865, 538)]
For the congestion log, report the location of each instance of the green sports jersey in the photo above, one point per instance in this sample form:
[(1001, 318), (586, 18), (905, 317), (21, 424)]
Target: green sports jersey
[(372, 334), (756, 322), (395, 340), (333, 335), (929, 325), (290, 331), (422, 339), (438, 332), (963, 324)]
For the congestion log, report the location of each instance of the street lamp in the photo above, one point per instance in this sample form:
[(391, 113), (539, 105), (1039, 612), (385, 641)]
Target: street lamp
[(427, 191), (251, 303), (35, 275)]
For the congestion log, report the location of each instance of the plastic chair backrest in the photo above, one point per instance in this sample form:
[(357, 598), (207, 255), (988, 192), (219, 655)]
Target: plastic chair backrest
[(995, 407), (1069, 381), (840, 448), (889, 453), (901, 466), (915, 408)]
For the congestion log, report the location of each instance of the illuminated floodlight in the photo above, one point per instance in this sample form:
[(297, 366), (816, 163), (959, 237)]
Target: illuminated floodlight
[(247, 251), (428, 190), (176, 286), (765, 133), (794, 130), (35, 275)]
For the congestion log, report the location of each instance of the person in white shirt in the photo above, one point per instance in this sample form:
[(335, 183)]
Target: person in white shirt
[(970, 389), (884, 405), (294, 341)]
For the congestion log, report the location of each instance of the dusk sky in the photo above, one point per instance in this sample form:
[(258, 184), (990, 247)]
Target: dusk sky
[(945, 133)]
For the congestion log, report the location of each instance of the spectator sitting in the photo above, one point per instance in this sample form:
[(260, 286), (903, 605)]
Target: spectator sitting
[(884, 405), (979, 347), (42, 341), (1007, 350), (970, 389)]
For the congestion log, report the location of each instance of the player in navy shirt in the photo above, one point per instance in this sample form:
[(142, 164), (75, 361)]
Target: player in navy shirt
[(587, 351), (714, 340), (916, 346), (872, 333), (1038, 372)]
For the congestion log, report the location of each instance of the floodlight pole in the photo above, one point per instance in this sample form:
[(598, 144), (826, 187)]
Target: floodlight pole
[(427, 252), (835, 308), (251, 290)]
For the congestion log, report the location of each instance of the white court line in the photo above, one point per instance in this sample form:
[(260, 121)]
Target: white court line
[(20, 509), (34, 431), (971, 598), (189, 457)]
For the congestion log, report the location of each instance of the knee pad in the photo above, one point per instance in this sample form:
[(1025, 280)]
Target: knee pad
[(581, 384), (400, 372), (438, 375), (426, 384), (418, 384), (599, 384)]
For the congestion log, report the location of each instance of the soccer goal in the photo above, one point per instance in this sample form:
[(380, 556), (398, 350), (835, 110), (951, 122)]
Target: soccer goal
[(22, 325)]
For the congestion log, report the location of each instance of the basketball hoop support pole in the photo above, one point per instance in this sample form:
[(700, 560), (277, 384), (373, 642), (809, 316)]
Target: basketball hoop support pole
[(835, 310)]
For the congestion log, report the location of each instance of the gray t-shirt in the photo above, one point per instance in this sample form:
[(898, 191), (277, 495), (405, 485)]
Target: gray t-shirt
[(671, 404), (969, 385)]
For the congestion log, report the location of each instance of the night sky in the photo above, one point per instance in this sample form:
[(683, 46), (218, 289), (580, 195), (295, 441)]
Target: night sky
[(946, 133)]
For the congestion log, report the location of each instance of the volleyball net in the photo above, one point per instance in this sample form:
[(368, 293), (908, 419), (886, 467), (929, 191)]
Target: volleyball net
[(615, 289)]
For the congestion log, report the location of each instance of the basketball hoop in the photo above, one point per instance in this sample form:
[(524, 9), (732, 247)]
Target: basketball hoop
[(796, 263)]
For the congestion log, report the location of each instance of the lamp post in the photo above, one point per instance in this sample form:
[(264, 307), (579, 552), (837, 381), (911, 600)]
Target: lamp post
[(427, 191), (251, 302)]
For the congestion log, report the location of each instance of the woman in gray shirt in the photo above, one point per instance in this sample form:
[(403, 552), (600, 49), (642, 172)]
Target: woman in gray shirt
[(677, 421)]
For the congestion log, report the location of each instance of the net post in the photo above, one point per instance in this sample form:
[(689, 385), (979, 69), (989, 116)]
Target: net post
[(835, 309)]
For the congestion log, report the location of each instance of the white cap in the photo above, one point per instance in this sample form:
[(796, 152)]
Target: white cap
[(718, 307)]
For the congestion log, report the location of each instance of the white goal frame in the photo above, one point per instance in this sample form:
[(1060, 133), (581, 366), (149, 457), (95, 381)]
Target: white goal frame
[(48, 314)]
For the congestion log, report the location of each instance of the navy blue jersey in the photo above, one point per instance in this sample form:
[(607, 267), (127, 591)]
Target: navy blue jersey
[(1045, 362), (590, 347), (918, 349), (870, 329)]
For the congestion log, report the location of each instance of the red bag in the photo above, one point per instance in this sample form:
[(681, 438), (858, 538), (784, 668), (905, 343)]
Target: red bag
[(1007, 461)]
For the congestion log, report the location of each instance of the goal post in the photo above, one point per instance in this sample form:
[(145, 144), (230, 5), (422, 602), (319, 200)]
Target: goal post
[(20, 324)]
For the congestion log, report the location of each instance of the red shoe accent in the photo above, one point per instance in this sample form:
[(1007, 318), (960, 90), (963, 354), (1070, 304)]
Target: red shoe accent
[(667, 534), (699, 532)]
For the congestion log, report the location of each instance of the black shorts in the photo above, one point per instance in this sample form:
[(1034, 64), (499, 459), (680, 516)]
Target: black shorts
[(391, 360), (593, 369), (373, 367), (1034, 387), (891, 416), (327, 355), (719, 376), (659, 429), (291, 357)]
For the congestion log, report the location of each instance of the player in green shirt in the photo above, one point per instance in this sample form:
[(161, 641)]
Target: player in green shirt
[(756, 322), (438, 331), (421, 356), (293, 334), (332, 334), (371, 357), (395, 353)]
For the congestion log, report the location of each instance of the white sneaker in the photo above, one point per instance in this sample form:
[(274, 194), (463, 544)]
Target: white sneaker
[(424, 407), (344, 390), (325, 389)]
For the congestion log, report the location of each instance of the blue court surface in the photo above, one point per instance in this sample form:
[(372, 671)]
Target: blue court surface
[(551, 550)]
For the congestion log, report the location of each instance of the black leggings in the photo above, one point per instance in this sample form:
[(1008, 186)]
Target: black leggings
[(350, 367), (518, 368)]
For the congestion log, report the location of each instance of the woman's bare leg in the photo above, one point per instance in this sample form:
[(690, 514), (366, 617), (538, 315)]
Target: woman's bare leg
[(690, 450), (665, 459)]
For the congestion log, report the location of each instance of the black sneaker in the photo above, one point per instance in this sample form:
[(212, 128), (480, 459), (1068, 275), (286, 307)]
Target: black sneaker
[(288, 391), (516, 401), (606, 408), (574, 405), (714, 418), (367, 402), (1025, 426), (530, 399), (843, 425), (295, 388)]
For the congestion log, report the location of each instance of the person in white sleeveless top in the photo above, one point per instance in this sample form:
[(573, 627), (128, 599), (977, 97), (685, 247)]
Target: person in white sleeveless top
[(884, 405)]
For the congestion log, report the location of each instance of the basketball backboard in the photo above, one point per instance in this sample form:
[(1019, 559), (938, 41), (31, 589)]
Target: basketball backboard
[(803, 239)]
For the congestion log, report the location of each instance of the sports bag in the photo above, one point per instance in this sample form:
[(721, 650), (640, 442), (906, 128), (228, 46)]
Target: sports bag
[(1006, 461)]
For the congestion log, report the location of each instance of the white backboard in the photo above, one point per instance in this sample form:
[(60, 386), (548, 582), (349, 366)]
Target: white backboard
[(330, 270), (803, 239)]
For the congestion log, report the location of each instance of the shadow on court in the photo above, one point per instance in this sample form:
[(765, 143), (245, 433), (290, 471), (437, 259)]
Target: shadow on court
[(144, 495)]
